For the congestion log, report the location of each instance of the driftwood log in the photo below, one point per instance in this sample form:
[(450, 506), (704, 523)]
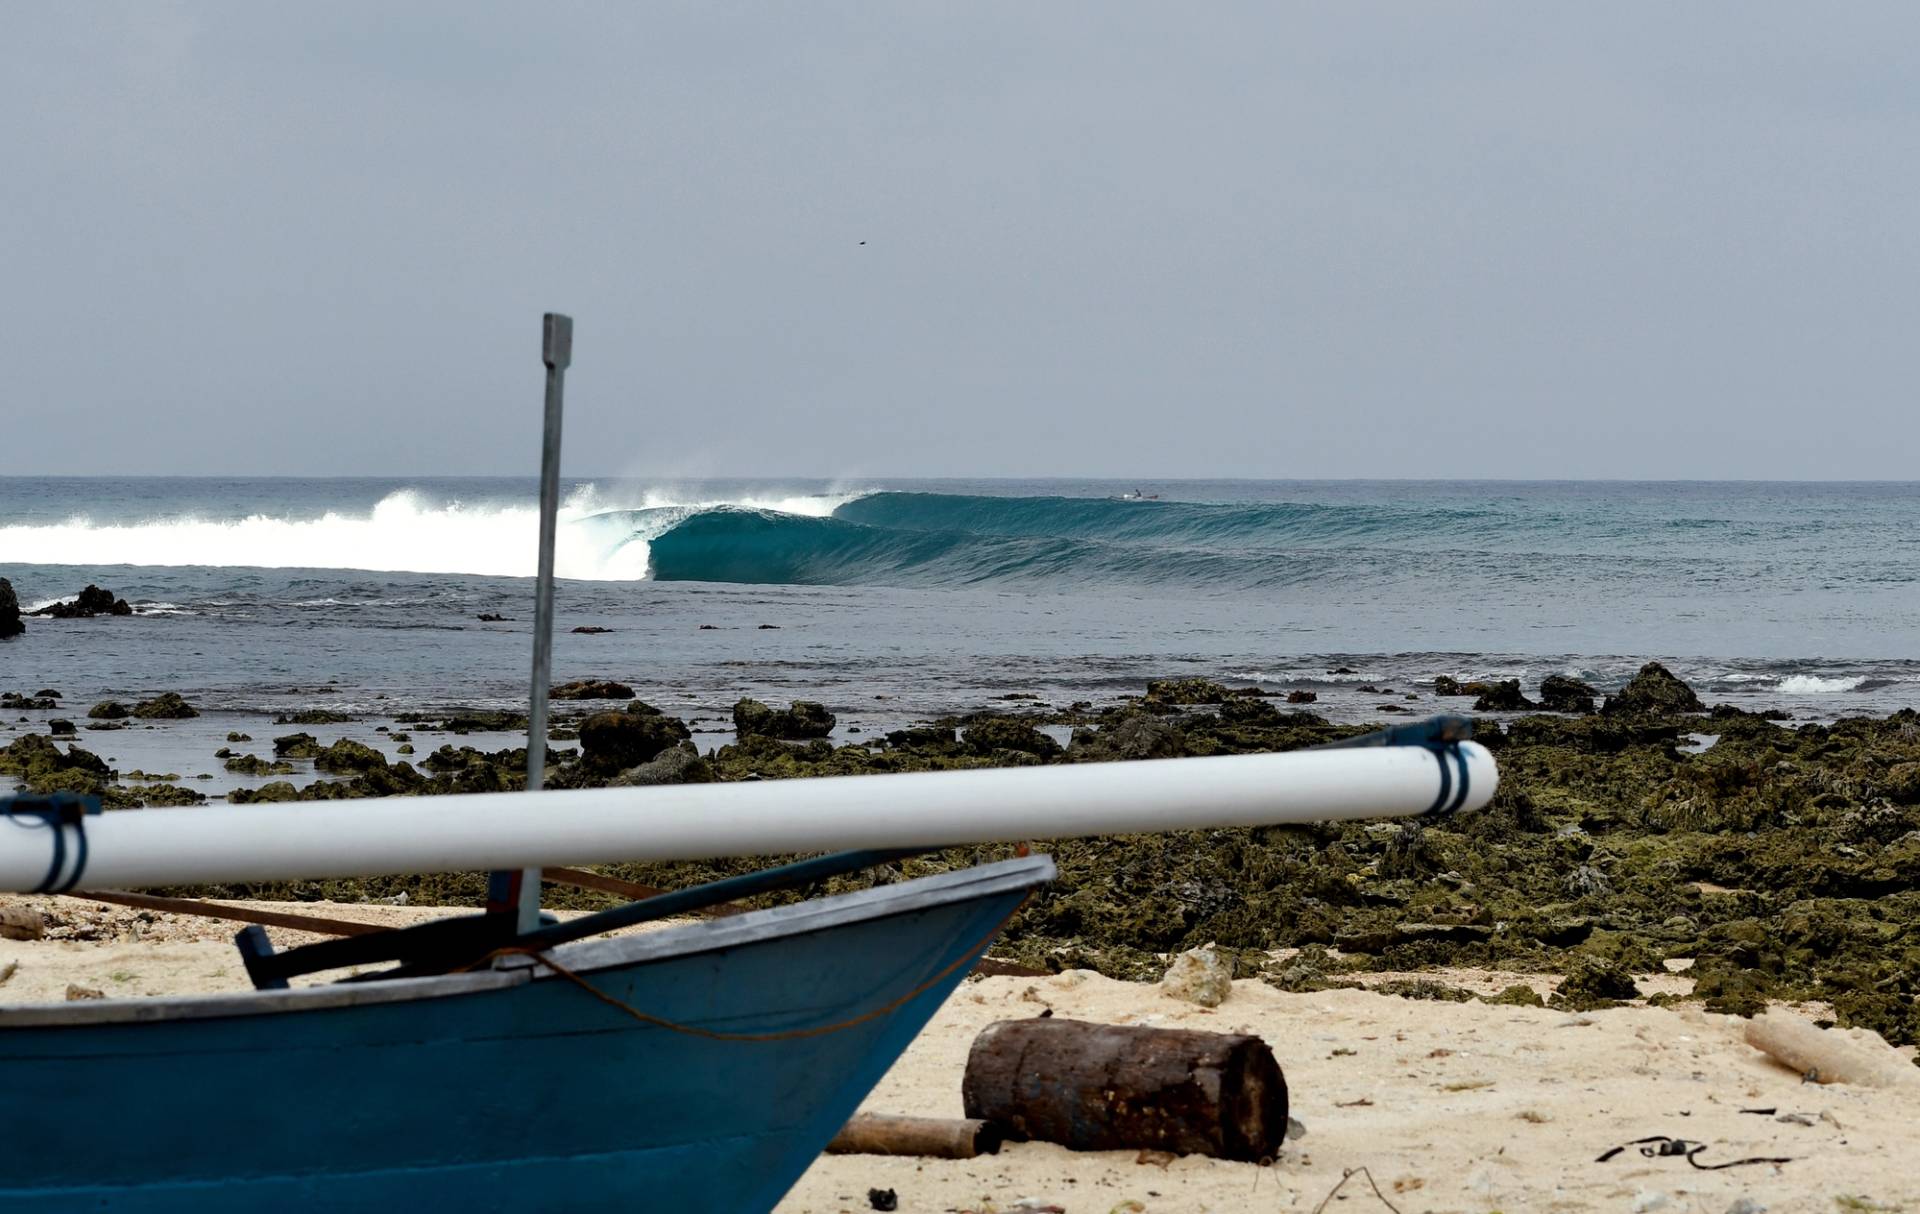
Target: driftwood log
[(933, 1137), (1104, 1087)]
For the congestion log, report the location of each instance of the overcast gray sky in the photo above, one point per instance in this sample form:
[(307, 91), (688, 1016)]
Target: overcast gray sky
[(1464, 239)]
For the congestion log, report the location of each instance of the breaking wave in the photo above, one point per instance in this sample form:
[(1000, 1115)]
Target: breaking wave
[(405, 532), (1813, 685)]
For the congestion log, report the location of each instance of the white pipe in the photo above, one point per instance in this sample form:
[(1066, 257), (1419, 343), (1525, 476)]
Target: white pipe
[(476, 831)]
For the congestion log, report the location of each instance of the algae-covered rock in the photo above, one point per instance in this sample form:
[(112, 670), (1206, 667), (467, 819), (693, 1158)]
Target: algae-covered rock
[(1134, 735), (984, 737), (107, 710), (164, 795), (1562, 693), (347, 755), (1422, 988), (1187, 691), (40, 763), (1199, 975), (618, 741), (313, 716), (279, 790), (801, 720), (591, 689), (936, 738), (167, 706), (1655, 691), (253, 765), (1593, 984), (296, 746), (1517, 994), (676, 765)]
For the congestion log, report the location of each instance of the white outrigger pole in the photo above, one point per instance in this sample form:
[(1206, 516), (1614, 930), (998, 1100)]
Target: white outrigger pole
[(466, 832)]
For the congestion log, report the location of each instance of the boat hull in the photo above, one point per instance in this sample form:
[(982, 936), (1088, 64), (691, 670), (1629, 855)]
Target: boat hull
[(501, 1091)]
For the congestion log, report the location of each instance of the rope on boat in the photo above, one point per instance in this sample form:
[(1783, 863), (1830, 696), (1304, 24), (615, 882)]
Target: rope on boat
[(821, 1030)]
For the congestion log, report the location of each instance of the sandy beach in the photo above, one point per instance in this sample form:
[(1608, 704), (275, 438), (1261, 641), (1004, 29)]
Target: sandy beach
[(1466, 1107)]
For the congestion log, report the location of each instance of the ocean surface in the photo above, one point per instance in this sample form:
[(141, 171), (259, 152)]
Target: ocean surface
[(896, 600)]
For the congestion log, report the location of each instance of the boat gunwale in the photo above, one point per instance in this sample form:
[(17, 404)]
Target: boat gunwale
[(589, 956)]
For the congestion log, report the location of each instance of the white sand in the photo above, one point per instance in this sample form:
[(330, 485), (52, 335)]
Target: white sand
[(1453, 1107)]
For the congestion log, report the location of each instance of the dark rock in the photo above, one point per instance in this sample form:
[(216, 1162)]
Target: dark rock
[(50, 693), (10, 625), (1302, 697), (801, 720), (1343, 670), (1447, 685), (591, 630), (488, 617), (19, 703), (91, 602), (769, 627), (591, 689), (1006, 733), (1655, 691), (167, 706), (1504, 696), (60, 728), (618, 741), (1559, 693)]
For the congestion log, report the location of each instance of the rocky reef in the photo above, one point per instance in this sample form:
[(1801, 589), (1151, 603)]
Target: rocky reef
[(90, 602), (1767, 859)]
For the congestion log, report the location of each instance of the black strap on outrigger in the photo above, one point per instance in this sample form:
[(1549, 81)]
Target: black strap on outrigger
[(62, 814), (1441, 736), (448, 945)]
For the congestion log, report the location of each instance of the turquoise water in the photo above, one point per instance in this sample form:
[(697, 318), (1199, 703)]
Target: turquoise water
[(893, 599)]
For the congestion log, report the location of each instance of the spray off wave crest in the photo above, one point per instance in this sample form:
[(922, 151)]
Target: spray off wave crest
[(405, 532)]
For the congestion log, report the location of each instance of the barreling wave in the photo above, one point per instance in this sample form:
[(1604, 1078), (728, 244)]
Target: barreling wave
[(884, 538), (954, 539)]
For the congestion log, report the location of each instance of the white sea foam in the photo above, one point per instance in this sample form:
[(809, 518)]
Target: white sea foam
[(1814, 685), (598, 539)]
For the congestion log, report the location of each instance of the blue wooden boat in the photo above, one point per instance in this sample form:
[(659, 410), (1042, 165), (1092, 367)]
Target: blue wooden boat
[(515, 1088)]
